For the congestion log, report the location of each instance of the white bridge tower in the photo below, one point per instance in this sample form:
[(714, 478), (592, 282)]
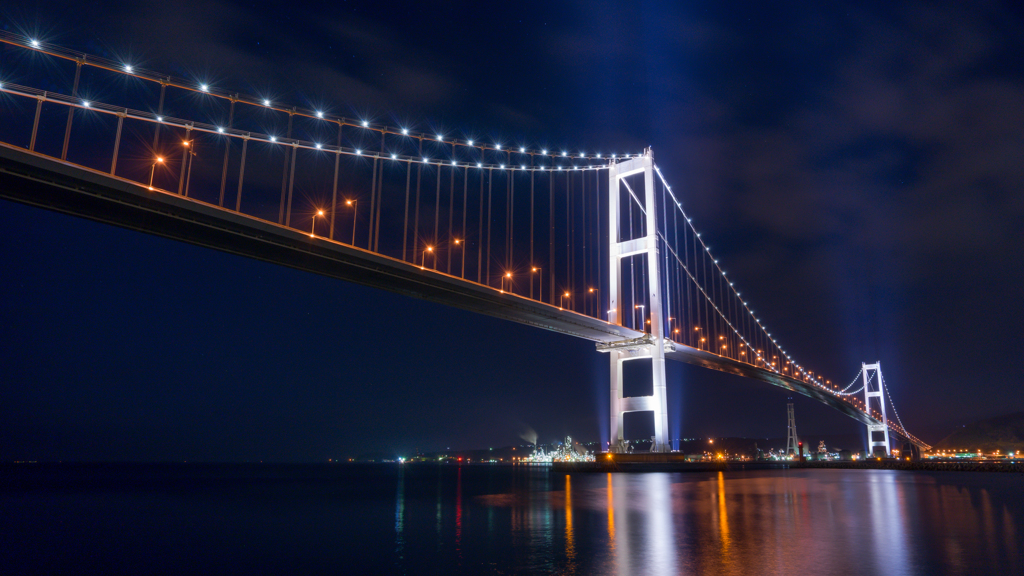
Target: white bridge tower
[(651, 346), (876, 430)]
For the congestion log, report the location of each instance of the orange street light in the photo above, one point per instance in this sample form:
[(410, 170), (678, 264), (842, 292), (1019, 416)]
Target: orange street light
[(355, 210), (312, 228), (152, 171), (537, 270)]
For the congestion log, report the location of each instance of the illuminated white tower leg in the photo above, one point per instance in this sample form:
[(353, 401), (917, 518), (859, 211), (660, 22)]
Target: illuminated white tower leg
[(878, 392), (792, 440), (651, 348)]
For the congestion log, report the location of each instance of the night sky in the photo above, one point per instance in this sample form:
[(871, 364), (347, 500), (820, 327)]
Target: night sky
[(859, 170)]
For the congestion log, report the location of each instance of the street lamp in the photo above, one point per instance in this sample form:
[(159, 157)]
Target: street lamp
[(640, 321), (561, 301), (508, 276), (423, 260), (537, 270), (312, 229), (697, 330), (458, 242), (586, 310), (353, 204), (152, 171), (189, 146)]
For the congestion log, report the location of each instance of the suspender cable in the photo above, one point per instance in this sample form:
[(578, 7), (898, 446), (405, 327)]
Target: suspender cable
[(227, 151), (405, 224), (532, 174), (465, 201), (291, 187), (490, 186), (480, 233), (451, 213), (373, 206), (600, 234), (284, 168), (380, 198), (416, 209), (241, 175), (551, 238), (159, 110), (665, 225), (632, 276), (586, 284), (511, 220), (71, 112), (334, 188), (373, 195), (568, 241), (437, 211)]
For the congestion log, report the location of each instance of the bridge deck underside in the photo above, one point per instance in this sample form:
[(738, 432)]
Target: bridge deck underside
[(39, 180)]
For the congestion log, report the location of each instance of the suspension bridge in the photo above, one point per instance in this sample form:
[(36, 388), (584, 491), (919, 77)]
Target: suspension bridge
[(592, 245)]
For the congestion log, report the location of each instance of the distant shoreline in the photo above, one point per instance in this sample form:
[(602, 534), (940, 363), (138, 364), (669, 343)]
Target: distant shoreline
[(923, 465)]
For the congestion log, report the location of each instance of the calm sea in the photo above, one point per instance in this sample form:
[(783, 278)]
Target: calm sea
[(427, 519)]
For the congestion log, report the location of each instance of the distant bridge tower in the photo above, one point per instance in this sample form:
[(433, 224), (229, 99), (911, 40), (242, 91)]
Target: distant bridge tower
[(882, 429), (650, 347), (792, 441)]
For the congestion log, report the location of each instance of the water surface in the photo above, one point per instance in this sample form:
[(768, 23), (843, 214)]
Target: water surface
[(426, 519)]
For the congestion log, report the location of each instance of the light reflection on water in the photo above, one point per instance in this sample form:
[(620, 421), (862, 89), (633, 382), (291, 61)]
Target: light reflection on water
[(423, 519), (779, 522)]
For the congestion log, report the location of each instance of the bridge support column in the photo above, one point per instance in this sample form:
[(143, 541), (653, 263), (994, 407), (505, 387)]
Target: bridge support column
[(877, 411), (650, 347)]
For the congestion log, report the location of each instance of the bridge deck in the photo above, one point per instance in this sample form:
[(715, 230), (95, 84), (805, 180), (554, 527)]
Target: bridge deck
[(42, 181)]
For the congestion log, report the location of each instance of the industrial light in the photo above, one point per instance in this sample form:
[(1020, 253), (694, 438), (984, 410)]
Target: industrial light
[(34, 43), (128, 68), (405, 131), (544, 151), (365, 123), (479, 165), (319, 114), (204, 87), (85, 103), (359, 152), (564, 153), (219, 129), (470, 142), (497, 146), (273, 138), (394, 156), (522, 149), (317, 145), (266, 102), (440, 138)]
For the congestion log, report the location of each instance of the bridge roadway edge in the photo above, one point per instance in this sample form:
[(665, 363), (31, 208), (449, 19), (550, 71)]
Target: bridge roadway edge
[(42, 181)]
